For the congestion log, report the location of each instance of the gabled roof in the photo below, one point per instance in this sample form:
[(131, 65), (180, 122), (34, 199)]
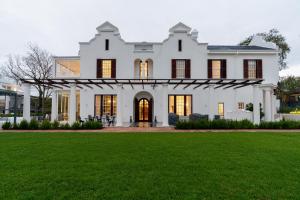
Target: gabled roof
[(107, 27), (180, 28), (236, 47)]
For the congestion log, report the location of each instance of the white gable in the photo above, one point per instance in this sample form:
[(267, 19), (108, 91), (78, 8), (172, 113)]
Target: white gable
[(107, 27), (180, 28)]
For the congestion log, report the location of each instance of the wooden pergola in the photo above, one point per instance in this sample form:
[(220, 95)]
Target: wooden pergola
[(62, 83)]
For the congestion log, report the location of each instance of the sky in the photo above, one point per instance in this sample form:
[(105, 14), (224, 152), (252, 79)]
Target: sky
[(58, 25)]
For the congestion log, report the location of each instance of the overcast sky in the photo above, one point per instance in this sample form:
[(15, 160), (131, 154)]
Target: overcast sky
[(58, 25)]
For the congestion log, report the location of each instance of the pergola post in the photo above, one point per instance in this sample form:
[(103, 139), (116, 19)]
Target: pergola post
[(165, 118), (268, 104), (119, 105), (256, 106), (72, 110), (54, 110), (7, 100), (211, 103), (26, 101)]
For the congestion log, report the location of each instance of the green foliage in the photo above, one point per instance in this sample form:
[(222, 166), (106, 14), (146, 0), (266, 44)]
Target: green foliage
[(76, 125), (15, 126), (274, 36), (23, 125), (66, 126), (55, 125), (283, 124), (92, 125), (287, 86), (215, 124), (6, 125), (33, 124), (46, 124)]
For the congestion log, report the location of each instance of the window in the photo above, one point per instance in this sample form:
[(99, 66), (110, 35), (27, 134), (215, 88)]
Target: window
[(106, 68), (252, 69), (107, 44), (180, 104), (105, 105), (144, 69), (180, 68), (216, 69), (179, 45), (221, 109), (241, 106)]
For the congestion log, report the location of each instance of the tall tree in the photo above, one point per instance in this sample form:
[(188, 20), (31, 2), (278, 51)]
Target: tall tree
[(274, 36), (286, 86), (36, 64)]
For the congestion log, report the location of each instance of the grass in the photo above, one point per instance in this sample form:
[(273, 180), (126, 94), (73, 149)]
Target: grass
[(150, 166)]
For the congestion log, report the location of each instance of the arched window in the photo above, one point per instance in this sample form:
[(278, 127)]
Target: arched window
[(144, 69)]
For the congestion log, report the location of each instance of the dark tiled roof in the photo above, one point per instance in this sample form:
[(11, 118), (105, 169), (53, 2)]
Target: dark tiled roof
[(234, 48)]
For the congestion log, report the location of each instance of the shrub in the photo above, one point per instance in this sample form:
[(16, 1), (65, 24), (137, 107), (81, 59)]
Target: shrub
[(173, 119), (197, 116), (33, 124), (76, 125), (66, 126), (23, 124), (15, 126), (92, 125), (46, 124), (283, 124), (55, 125), (215, 124), (6, 125)]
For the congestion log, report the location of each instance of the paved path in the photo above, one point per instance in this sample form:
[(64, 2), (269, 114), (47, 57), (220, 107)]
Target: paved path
[(157, 129)]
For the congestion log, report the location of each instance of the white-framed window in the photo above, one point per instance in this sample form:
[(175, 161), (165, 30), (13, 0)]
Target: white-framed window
[(221, 109), (252, 69), (241, 105), (180, 104), (216, 69), (180, 68)]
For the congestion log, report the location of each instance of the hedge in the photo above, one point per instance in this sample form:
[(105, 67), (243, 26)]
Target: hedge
[(231, 124), (47, 125)]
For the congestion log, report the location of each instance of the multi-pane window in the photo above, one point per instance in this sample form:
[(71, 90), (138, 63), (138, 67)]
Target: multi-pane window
[(180, 68), (106, 68), (241, 105), (252, 69), (180, 104), (144, 70), (216, 69), (105, 105), (221, 109)]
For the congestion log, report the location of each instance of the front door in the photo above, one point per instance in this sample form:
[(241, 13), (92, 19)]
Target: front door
[(143, 110)]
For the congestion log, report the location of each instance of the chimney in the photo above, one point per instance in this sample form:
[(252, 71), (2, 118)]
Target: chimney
[(194, 34)]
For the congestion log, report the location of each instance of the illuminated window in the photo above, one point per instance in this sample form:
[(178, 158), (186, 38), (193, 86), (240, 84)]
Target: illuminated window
[(221, 109), (144, 69), (180, 68), (180, 104), (105, 105), (106, 68), (252, 69), (216, 69), (241, 106)]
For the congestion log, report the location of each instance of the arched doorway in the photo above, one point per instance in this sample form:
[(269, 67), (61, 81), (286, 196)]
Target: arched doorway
[(143, 107)]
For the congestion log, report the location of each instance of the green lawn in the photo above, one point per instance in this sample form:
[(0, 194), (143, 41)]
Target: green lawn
[(150, 166)]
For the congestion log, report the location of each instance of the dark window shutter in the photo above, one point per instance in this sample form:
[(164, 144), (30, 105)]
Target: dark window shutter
[(245, 68), (223, 69), (113, 68), (99, 68), (259, 69), (150, 110), (209, 69), (173, 70), (188, 68)]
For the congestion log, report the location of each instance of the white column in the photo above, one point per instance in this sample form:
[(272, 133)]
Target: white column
[(119, 105), (165, 117), (211, 102), (72, 108), (268, 104), (7, 100), (26, 101), (54, 110), (256, 107)]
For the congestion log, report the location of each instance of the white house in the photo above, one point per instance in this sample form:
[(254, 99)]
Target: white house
[(144, 81)]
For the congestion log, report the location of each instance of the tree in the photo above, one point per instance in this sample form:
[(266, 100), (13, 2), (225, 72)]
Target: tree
[(273, 36), (287, 86), (36, 64)]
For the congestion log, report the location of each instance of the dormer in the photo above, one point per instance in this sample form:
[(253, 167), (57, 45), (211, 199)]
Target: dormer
[(180, 28)]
